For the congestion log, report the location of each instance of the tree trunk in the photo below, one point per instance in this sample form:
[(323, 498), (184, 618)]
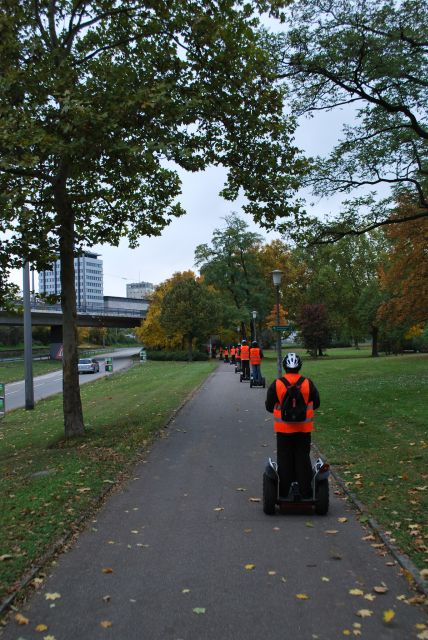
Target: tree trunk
[(72, 404), (375, 333), (190, 347)]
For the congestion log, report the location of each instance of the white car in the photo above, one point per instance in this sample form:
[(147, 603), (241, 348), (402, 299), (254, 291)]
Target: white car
[(88, 365)]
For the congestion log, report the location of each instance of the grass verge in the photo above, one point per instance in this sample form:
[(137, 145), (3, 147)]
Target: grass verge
[(14, 371), (372, 427), (47, 484)]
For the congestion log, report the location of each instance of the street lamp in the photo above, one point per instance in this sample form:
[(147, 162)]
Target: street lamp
[(254, 324), (276, 276)]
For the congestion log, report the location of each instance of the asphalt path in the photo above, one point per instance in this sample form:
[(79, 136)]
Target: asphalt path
[(184, 551), (51, 383)]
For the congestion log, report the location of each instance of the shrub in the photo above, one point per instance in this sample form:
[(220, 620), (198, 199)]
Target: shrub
[(179, 356)]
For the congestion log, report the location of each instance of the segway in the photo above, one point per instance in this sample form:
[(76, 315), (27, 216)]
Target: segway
[(245, 376), (293, 502), (257, 383), (238, 366)]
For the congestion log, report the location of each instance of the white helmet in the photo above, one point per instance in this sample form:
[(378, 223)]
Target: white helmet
[(292, 361)]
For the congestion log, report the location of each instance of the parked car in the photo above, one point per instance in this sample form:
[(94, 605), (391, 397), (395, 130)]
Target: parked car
[(88, 365)]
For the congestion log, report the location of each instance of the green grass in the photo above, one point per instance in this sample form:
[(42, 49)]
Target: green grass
[(372, 427), (122, 414), (14, 371)]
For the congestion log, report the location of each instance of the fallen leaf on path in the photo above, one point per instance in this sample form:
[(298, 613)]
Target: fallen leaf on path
[(380, 589), (331, 531), (370, 537), (423, 635), (342, 520), (250, 567), (356, 592), (185, 591), (240, 489), (247, 530), (48, 637), (271, 573), (325, 579), (106, 624), (106, 598), (346, 632), (370, 596), (52, 596), (218, 509), (309, 524), (302, 596), (388, 615), (199, 610), (107, 570), (41, 627), (254, 499), (364, 613), (20, 619)]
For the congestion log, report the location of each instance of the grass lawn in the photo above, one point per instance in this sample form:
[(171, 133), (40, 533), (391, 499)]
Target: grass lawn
[(47, 483), (372, 428), (14, 371)]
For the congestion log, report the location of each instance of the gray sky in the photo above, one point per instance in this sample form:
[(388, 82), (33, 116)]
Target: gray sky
[(156, 259)]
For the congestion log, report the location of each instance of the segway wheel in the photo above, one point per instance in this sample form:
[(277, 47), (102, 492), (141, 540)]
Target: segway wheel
[(251, 382), (264, 382), (322, 498), (240, 378), (269, 495)]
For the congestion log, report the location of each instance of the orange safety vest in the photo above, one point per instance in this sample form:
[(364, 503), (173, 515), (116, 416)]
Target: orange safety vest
[(226, 352), (293, 427), (255, 356), (245, 352), (232, 351)]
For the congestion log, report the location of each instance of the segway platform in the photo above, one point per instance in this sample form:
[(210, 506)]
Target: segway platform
[(294, 503), (257, 383)]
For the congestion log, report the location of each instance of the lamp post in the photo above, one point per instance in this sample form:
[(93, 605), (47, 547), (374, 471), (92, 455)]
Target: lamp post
[(28, 353), (254, 324), (276, 277)]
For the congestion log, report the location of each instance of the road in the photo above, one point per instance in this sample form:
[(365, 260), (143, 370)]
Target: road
[(185, 552), (51, 383)]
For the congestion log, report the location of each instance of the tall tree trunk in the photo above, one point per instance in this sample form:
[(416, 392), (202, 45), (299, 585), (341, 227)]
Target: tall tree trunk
[(72, 403), (190, 349), (375, 333)]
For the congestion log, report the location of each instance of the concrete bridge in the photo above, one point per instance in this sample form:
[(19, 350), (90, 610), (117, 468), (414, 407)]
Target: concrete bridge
[(113, 314)]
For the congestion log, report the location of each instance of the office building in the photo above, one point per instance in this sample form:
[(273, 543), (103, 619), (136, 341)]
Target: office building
[(88, 276), (139, 290)]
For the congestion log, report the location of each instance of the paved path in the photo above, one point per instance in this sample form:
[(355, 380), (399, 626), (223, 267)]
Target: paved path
[(177, 539)]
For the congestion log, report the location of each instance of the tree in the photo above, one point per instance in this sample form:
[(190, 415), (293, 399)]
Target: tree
[(405, 274), (151, 332), (190, 309), (232, 264), (100, 100), (314, 328), (372, 55)]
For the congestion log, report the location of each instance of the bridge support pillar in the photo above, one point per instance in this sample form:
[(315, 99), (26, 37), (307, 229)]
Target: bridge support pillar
[(55, 348)]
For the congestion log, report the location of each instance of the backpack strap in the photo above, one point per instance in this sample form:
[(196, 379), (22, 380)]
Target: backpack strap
[(287, 384)]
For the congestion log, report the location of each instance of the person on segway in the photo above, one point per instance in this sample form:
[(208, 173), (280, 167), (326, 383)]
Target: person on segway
[(245, 360), (256, 355), (292, 400)]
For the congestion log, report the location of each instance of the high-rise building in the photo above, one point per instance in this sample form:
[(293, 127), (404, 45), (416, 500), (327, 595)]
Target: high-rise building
[(88, 277), (139, 290)]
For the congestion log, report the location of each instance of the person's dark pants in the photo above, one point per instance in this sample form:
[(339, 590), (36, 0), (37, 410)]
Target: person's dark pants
[(245, 368), (233, 359), (294, 462)]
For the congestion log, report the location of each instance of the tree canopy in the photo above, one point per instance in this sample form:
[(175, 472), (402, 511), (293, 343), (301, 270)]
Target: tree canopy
[(101, 100), (371, 56)]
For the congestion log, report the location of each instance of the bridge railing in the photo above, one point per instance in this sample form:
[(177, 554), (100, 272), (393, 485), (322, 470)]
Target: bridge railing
[(89, 309)]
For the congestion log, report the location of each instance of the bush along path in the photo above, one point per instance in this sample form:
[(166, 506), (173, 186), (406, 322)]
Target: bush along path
[(185, 551)]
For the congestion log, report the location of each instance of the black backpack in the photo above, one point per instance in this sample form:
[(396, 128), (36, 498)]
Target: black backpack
[(293, 405)]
